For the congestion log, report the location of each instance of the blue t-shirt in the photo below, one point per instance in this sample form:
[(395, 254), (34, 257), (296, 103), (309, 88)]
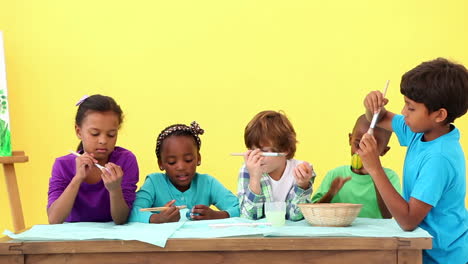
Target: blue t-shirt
[(204, 189), (434, 173)]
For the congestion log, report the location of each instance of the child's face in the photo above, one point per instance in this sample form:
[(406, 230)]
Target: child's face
[(271, 164), (356, 137), (417, 116), (179, 158), (98, 132), (359, 131)]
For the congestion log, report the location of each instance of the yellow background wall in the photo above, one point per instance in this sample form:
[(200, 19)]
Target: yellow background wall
[(216, 62)]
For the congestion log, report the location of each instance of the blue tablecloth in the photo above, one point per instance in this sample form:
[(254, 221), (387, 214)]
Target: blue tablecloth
[(157, 234)]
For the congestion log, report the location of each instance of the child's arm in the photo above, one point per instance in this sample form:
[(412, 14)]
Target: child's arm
[(146, 198), (303, 175), (130, 179), (408, 214), (172, 214), (112, 178), (203, 212), (62, 206), (374, 102), (335, 187), (250, 204), (220, 197), (301, 192), (395, 181), (253, 160), (380, 202)]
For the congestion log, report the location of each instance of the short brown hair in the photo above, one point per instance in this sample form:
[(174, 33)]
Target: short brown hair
[(274, 128)]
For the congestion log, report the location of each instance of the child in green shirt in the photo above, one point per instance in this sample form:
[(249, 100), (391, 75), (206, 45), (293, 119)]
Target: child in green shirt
[(345, 184)]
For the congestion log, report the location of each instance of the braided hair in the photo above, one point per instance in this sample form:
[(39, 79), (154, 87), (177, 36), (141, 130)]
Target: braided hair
[(179, 130)]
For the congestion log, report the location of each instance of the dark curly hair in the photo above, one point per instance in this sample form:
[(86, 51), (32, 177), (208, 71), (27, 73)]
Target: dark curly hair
[(438, 84), (179, 130)]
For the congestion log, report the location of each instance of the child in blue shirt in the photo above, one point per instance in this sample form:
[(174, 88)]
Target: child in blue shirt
[(434, 184), (178, 153)]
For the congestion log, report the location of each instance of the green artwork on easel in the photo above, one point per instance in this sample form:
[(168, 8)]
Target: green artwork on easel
[(5, 140)]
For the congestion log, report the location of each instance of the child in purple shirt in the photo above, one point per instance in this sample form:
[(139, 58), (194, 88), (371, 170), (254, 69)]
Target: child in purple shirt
[(80, 191)]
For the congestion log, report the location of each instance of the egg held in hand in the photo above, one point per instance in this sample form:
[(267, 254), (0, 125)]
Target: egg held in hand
[(356, 162)]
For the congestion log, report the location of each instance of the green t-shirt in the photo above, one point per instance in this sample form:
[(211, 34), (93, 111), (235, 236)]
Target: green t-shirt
[(360, 190)]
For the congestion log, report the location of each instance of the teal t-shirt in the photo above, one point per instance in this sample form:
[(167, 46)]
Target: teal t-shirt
[(434, 173), (204, 189), (359, 190)]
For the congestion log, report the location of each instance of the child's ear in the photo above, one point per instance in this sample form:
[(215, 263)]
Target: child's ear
[(350, 135), (386, 149), (441, 115), (161, 167), (199, 159), (78, 131)]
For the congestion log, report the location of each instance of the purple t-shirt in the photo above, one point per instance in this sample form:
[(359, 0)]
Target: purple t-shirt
[(92, 203)]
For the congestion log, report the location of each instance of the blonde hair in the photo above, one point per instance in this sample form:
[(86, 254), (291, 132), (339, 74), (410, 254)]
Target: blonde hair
[(271, 128)]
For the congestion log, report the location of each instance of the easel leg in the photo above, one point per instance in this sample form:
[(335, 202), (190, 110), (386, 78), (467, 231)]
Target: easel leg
[(13, 194)]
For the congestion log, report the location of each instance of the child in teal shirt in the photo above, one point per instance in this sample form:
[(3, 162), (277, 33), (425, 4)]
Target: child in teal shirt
[(178, 153), (345, 184)]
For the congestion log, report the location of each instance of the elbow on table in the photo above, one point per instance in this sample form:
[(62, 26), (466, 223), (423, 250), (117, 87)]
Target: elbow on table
[(121, 219), (52, 216), (408, 226), (54, 221), (120, 222)]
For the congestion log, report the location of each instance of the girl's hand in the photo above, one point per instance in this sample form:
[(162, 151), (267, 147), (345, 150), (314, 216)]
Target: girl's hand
[(303, 175), (112, 176), (84, 164), (253, 160), (205, 212), (337, 184), (171, 214), (369, 153), (374, 101)]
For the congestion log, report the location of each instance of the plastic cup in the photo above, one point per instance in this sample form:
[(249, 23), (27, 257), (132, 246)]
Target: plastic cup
[(275, 213)]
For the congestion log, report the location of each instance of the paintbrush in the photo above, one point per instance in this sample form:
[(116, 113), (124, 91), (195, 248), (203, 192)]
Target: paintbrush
[(97, 165), (162, 208), (376, 115), (265, 154)]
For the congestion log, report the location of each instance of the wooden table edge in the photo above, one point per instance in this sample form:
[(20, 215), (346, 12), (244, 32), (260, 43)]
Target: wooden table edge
[(221, 244)]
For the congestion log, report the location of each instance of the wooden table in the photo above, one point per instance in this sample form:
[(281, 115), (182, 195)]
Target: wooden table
[(256, 250)]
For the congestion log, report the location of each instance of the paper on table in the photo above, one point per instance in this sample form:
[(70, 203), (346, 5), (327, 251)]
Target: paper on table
[(201, 229), (361, 227), (156, 234)]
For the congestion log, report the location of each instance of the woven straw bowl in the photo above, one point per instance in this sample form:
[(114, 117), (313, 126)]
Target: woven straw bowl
[(330, 214)]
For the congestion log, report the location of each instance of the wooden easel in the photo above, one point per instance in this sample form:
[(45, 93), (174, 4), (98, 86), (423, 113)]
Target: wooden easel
[(12, 187)]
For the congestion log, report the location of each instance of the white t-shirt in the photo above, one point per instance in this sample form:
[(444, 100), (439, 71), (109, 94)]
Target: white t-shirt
[(280, 188)]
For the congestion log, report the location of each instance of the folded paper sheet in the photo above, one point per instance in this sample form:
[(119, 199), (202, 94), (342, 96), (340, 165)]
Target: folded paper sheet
[(149, 233)]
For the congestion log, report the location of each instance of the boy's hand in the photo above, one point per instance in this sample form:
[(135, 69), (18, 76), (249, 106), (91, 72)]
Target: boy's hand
[(253, 160), (203, 212), (171, 214), (369, 153), (374, 101), (335, 187), (112, 176), (337, 184), (84, 164), (303, 174)]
